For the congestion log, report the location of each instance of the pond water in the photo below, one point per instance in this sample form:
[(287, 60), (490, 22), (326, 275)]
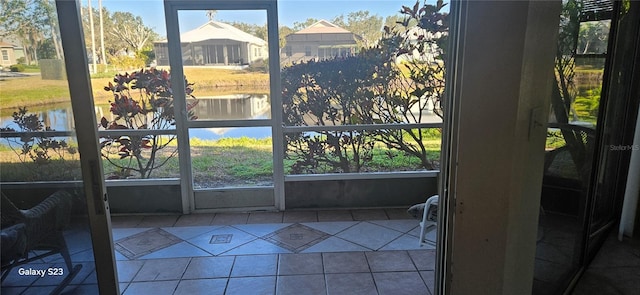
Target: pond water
[(229, 107)]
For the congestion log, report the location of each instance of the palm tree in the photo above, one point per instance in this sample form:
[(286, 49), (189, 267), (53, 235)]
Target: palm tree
[(211, 14)]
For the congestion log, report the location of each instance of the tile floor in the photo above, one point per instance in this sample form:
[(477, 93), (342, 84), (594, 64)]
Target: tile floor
[(296, 252), (614, 271), (558, 237)]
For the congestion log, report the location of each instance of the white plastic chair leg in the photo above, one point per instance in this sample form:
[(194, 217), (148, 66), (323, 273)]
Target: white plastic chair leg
[(428, 222)]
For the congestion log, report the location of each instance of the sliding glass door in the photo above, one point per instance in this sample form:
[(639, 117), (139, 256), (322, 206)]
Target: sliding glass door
[(56, 234), (589, 140)]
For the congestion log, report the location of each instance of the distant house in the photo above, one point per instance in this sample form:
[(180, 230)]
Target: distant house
[(9, 54), (215, 43), (319, 41)]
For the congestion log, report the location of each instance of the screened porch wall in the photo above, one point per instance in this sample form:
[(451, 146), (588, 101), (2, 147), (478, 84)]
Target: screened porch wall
[(213, 52)]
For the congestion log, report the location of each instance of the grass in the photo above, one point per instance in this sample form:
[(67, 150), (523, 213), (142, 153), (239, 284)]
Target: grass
[(207, 78), (554, 140), (31, 69), (239, 161), (589, 70), (33, 91)]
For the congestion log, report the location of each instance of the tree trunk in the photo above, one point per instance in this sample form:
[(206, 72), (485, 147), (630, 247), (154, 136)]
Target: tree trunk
[(56, 44), (93, 40), (34, 44), (586, 47), (104, 56), (27, 53)]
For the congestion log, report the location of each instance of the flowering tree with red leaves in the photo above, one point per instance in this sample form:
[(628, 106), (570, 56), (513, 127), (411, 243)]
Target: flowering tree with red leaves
[(142, 100)]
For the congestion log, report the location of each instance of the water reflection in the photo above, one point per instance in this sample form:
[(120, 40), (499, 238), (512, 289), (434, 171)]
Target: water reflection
[(233, 107), (58, 117), (228, 107)]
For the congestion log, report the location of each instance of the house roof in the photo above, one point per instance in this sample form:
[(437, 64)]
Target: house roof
[(214, 30), (322, 27), (5, 44)]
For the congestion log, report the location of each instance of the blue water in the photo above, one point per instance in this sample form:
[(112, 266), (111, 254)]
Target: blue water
[(60, 117), (217, 133)]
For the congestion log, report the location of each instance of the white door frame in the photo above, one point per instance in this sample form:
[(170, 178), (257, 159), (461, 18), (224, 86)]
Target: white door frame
[(88, 147), (498, 101), (183, 124)]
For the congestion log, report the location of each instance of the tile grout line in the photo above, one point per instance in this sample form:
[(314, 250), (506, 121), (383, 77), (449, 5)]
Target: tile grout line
[(137, 272), (324, 275), (371, 273)]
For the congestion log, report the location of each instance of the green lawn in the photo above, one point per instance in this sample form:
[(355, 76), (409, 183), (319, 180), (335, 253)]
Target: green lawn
[(228, 161), (33, 91)]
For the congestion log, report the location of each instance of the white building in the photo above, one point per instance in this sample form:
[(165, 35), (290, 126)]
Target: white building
[(216, 44), (320, 40)]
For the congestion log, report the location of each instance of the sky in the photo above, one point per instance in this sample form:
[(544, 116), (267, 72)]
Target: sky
[(289, 11)]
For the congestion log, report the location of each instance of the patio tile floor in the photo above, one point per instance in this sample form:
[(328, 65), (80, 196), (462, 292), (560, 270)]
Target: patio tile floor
[(297, 252), (228, 254), (296, 237), (293, 252)]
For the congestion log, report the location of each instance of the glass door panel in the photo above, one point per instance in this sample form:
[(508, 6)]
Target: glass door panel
[(47, 237), (228, 123), (621, 114), (571, 150)]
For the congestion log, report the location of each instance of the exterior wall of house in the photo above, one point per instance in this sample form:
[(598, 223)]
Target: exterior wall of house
[(257, 52), (212, 52), (320, 45), (7, 56), (18, 52)]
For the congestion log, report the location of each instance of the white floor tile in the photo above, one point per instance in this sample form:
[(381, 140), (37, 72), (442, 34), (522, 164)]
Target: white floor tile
[(258, 246), (332, 227), (182, 249), (334, 244), (404, 242), (259, 229), (369, 235), (121, 233), (403, 225), (237, 238), (188, 232)]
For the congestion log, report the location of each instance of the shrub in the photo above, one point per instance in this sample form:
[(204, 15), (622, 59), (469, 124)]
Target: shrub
[(33, 145), (17, 68), (329, 92), (143, 100), (125, 62), (394, 82), (261, 65), (587, 103), (412, 74), (146, 55)]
